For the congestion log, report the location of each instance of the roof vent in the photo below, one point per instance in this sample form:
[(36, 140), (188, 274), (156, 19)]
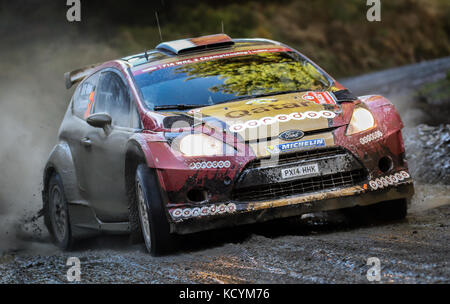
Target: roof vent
[(191, 45)]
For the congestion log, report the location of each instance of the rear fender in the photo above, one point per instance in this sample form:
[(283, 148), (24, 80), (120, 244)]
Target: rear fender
[(83, 220), (61, 161)]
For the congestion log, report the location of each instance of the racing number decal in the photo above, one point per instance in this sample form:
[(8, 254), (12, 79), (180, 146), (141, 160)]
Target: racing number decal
[(320, 97)]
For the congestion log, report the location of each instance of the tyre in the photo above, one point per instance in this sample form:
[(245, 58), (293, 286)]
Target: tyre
[(152, 216), (57, 217)]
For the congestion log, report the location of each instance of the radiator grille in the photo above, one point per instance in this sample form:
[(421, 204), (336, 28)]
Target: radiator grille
[(297, 187), (293, 157)]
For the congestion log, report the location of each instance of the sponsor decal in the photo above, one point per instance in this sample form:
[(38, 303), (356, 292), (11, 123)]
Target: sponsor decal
[(371, 137), (238, 127), (203, 211), (388, 180), (373, 185), (222, 209), (195, 212), (187, 212), (264, 108), (320, 97), (383, 180), (310, 143), (210, 57), (210, 165), (291, 135), (260, 101), (177, 212)]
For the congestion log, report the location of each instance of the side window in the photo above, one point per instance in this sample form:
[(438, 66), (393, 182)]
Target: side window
[(84, 96), (113, 98)]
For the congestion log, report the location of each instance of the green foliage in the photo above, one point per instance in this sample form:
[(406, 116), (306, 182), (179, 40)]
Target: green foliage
[(334, 33), (257, 74)]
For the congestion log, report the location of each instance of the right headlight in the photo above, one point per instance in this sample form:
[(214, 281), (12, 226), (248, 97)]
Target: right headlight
[(203, 145), (362, 120)]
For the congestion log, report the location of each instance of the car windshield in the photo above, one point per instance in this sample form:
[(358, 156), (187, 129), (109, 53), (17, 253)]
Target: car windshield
[(221, 80)]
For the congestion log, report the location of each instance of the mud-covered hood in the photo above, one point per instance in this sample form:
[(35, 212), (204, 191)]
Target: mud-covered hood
[(269, 116)]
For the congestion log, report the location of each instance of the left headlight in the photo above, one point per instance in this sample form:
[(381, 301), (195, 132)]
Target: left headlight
[(203, 145), (361, 120)]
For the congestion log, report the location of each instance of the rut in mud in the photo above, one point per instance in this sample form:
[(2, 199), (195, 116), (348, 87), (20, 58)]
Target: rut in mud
[(321, 248)]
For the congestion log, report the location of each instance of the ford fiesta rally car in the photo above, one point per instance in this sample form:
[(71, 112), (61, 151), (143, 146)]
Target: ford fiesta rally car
[(211, 132)]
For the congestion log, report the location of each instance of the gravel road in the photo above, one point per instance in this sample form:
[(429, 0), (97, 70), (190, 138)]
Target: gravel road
[(322, 248)]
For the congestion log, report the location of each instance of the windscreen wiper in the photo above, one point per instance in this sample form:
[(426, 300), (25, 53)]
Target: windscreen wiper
[(177, 107)]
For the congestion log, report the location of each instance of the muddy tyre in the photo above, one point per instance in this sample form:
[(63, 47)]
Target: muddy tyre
[(57, 214), (152, 216)]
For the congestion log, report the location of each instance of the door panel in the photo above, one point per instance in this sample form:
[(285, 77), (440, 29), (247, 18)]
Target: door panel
[(75, 126), (105, 150), (104, 163)]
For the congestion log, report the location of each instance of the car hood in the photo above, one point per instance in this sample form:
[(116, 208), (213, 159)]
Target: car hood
[(266, 117)]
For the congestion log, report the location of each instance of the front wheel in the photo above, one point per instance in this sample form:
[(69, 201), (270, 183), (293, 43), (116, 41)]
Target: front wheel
[(154, 224), (57, 214)]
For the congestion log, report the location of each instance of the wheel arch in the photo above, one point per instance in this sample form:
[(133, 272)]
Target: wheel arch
[(61, 162), (133, 157)]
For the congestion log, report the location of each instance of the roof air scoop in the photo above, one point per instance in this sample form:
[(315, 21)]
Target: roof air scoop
[(192, 45)]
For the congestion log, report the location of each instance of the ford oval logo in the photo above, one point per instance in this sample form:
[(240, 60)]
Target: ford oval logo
[(291, 135)]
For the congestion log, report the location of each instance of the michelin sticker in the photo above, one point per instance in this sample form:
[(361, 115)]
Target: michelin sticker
[(296, 145)]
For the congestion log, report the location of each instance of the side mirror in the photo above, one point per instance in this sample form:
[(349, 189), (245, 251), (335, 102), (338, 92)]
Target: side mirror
[(99, 120)]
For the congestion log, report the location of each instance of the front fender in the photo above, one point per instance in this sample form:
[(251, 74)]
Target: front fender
[(384, 112)]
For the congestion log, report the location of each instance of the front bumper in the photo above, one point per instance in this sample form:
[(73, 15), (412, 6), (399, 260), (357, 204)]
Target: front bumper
[(249, 189), (235, 213)]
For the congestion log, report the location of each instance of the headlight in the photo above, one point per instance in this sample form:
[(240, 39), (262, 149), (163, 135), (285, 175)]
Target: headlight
[(203, 145), (361, 120)]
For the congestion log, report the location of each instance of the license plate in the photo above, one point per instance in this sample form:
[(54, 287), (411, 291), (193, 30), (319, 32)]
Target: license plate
[(300, 171)]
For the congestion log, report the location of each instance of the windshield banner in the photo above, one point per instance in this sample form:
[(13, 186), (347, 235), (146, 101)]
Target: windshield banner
[(209, 57)]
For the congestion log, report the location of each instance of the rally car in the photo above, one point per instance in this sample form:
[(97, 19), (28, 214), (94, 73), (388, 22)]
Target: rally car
[(212, 132)]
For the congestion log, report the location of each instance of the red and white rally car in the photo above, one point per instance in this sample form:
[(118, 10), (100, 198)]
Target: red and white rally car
[(213, 132)]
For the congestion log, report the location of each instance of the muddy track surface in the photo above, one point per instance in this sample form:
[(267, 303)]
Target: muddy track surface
[(321, 248)]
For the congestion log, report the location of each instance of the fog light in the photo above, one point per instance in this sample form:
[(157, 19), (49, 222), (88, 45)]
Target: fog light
[(197, 195), (385, 164)]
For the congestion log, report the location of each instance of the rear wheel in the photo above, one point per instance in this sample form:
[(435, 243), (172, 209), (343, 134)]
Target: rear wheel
[(57, 214), (154, 224)]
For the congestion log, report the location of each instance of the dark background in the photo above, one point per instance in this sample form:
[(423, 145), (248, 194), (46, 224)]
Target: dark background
[(335, 33)]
